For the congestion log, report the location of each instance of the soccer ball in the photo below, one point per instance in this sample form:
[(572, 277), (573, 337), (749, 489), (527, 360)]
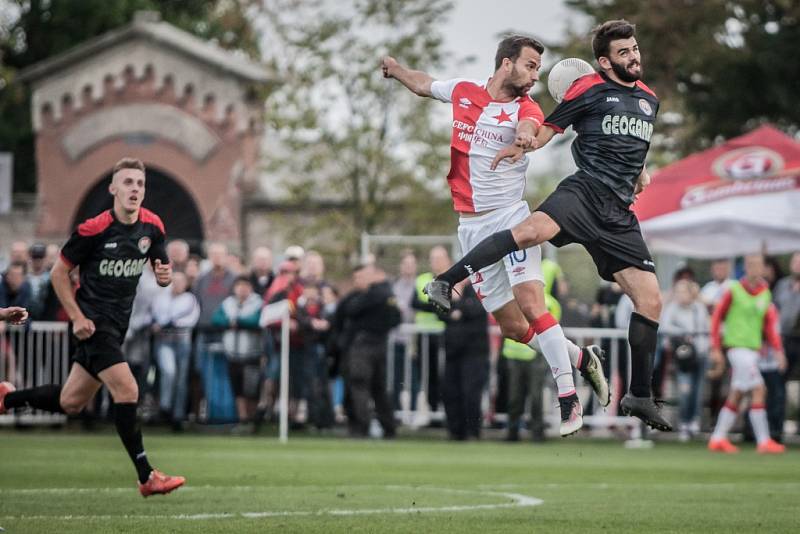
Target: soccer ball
[(564, 73)]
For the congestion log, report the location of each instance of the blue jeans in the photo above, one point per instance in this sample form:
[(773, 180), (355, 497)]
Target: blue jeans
[(690, 392), (173, 354)]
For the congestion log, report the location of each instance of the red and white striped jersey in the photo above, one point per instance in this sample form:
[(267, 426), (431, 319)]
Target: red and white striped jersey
[(481, 128)]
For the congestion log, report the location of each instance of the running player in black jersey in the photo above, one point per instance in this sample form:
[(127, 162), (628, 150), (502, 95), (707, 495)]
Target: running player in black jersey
[(613, 113), (111, 251)]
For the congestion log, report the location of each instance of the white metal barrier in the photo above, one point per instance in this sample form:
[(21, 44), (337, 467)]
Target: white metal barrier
[(421, 414), (31, 356)]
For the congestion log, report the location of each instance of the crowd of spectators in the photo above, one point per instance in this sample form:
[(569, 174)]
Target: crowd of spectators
[(201, 350)]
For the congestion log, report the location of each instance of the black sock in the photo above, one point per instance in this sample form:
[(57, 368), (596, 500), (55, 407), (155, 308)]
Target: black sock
[(131, 436), (42, 398), (489, 251), (642, 336)]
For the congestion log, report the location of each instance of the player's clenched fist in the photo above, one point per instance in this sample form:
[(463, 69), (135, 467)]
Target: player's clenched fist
[(388, 65), (83, 328), (163, 272)]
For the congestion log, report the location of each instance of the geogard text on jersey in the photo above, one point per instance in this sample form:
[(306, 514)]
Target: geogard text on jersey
[(624, 125), (119, 268)]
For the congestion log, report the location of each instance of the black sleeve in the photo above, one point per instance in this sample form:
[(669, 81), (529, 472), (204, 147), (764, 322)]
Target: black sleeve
[(78, 249), (567, 113), (158, 249)]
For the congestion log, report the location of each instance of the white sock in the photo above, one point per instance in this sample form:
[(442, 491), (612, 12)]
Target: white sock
[(724, 423), (758, 418), (573, 350), (553, 345)]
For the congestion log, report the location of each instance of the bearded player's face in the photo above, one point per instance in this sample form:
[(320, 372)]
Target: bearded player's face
[(524, 73), (625, 59)]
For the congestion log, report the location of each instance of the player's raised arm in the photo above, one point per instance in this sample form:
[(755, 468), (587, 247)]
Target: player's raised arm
[(416, 81)]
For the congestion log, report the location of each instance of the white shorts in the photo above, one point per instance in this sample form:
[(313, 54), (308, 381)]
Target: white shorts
[(744, 369), (493, 283)]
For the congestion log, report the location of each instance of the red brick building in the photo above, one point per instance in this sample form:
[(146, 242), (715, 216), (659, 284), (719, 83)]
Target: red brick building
[(190, 110)]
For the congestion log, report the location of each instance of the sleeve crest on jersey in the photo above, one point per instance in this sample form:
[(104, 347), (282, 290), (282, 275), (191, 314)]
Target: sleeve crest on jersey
[(95, 225), (147, 216)]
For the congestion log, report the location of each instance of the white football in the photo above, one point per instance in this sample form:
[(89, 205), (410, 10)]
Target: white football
[(564, 73)]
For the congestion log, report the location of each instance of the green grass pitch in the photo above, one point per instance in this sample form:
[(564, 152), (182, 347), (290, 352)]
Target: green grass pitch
[(63, 482)]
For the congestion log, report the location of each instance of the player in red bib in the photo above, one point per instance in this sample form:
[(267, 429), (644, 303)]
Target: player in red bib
[(111, 251), (489, 116)]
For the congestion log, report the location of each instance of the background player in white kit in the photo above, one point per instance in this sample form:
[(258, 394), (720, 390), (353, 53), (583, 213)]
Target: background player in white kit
[(489, 116)]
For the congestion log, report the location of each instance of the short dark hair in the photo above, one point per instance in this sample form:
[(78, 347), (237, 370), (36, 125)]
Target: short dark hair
[(512, 46), (608, 31), (128, 163)]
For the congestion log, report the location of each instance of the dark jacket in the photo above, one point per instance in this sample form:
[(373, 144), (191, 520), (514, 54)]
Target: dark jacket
[(466, 326), (373, 311)]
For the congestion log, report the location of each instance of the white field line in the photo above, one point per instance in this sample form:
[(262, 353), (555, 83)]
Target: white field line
[(516, 501)]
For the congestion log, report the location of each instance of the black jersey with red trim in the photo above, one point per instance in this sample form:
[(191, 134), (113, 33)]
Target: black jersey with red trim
[(111, 256), (614, 124)]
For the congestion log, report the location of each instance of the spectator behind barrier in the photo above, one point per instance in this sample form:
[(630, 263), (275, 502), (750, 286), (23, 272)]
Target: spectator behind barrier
[(175, 313), (684, 326), (240, 314)]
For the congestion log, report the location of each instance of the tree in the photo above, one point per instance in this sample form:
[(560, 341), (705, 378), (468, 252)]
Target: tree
[(719, 67), (344, 133), (45, 28)]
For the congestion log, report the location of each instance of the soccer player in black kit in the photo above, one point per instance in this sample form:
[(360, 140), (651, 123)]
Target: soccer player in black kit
[(612, 113), (111, 250)]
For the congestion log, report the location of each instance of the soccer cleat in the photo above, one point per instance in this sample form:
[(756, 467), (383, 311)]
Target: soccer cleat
[(592, 372), (722, 445), (439, 293), (771, 447), (645, 409), (571, 415), (5, 389), (159, 483)]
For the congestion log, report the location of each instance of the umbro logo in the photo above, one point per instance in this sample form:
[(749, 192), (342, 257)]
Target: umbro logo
[(110, 245), (464, 102), (612, 99)]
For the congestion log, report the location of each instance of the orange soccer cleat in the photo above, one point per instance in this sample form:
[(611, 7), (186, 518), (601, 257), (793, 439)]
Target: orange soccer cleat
[(5, 389), (160, 483), (771, 447), (722, 445)]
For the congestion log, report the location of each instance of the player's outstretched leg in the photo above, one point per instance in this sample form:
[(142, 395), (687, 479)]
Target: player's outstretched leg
[(491, 250), (42, 398)]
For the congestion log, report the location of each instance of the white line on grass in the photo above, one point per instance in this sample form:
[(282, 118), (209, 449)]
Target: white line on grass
[(517, 500)]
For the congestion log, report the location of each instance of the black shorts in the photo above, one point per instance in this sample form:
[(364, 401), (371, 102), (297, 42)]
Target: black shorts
[(245, 376), (99, 352), (589, 213)]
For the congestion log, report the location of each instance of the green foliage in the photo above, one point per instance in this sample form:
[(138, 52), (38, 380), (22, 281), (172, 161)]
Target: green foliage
[(720, 67), (45, 28), (344, 132)]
